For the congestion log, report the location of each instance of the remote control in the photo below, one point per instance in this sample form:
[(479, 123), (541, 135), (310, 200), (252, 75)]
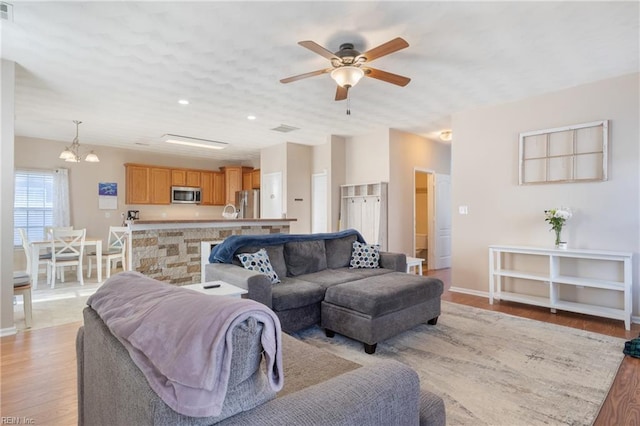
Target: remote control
[(213, 285)]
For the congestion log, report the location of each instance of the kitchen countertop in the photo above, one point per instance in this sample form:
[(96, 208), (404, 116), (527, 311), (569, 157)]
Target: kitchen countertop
[(229, 221)]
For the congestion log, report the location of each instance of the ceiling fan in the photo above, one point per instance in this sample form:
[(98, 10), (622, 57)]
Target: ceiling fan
[(348, 65)]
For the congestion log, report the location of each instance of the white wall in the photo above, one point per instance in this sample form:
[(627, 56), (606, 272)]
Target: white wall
[(406, 152), (330, 158), (299, 165), (7, 97), (273, 159), (367, 158), (485, 178)]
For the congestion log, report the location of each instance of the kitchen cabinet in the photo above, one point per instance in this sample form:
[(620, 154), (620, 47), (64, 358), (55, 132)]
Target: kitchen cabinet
[(233, 181), (160, 185), (206, 185), (184, 177), (255, 179), (219, 195), (147, 184), (137, 184), (251, 179)]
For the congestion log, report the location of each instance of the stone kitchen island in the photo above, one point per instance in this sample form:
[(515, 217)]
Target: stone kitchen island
[(173, 251)]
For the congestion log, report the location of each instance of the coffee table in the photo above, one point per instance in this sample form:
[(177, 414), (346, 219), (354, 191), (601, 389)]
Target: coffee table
[(225, 289)]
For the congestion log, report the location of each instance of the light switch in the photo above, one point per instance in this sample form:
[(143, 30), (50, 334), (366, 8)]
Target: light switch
[(463, 209)]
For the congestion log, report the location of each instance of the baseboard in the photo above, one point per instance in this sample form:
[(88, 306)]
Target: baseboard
[(484, 294), (8, 331)]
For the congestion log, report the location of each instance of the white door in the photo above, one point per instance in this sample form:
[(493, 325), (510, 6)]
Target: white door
[(442, 225), (319, 202), (271, 195)]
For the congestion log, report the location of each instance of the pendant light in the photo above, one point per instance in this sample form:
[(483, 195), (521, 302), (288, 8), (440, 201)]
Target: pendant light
[(71, 153)]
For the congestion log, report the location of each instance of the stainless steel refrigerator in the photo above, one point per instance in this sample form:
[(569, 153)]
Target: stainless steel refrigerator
[(248, 203)]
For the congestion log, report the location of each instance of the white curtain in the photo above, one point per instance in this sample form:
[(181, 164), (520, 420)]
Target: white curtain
[(61, 209)]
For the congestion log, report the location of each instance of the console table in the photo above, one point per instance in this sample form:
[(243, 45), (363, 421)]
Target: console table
[(552, 268)]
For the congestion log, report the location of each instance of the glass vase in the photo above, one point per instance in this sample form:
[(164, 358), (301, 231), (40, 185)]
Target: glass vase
[(559, 241)]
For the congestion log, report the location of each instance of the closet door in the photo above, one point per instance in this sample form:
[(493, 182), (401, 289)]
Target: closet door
[(370, 219)]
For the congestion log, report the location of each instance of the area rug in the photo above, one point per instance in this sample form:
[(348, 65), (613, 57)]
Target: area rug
[(496, 369)]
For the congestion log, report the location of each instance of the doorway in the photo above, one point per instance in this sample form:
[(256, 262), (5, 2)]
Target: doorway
[(432, 219)]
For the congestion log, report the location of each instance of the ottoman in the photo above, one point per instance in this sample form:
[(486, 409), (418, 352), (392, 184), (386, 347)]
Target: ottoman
[(373, 309)]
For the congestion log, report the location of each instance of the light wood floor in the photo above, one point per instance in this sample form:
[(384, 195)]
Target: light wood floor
[(38, 368)]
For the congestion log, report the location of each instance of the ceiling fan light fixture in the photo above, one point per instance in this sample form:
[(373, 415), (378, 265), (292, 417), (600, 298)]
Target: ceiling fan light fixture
[(347, 76)]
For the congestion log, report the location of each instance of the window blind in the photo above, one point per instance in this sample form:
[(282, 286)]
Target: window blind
[(33, 203)]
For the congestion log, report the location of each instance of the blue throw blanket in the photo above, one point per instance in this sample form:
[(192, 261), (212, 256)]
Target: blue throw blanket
[(223, 252)]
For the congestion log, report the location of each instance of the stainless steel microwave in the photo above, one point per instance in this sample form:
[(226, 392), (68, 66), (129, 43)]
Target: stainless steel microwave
[(185, 195)]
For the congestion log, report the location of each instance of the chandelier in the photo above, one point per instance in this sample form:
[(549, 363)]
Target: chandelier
[(72, 153)]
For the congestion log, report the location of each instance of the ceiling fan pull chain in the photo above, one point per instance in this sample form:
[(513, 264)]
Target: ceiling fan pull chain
[(348, 104)]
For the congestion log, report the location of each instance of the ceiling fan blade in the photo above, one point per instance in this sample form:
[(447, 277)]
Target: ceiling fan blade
[(315, 47), (387, 76), (305, 75), (384, 49), (341, 93)]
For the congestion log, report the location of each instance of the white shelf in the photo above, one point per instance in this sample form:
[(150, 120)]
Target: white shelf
[(525, 298), (523, 275), (555, 280)]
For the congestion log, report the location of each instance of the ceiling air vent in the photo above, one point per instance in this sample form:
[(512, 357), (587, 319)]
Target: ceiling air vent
[(285, 129), (6, 11)]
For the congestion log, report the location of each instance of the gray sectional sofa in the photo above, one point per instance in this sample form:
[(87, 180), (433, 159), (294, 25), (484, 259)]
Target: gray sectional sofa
[(319, 387), (318, 286)]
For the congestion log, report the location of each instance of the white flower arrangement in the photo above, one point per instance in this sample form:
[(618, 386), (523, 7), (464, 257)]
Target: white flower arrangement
[(557, 218)]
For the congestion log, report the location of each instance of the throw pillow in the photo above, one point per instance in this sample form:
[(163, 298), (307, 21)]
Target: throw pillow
[(259, 262), (365, 255)]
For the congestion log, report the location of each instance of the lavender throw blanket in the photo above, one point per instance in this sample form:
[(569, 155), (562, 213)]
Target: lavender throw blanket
[(181, 339)]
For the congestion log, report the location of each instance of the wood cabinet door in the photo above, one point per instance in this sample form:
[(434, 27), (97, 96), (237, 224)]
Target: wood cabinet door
[(255, 179), (160, 185), (178, 177), (206, 185), (232, 182), (193, 178), (219, 194), (246, 181), (137, 184)]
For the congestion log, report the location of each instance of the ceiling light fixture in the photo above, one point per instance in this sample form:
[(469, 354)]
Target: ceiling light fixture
[(71, 153), (183, 102), (251, 117), (347, 76), (446, 135), (197, 142)]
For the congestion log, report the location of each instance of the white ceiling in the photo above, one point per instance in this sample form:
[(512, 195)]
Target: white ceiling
[(121, 67)]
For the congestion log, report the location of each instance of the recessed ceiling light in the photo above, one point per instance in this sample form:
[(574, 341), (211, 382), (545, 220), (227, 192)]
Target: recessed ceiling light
[(251, 117), (183, 102)]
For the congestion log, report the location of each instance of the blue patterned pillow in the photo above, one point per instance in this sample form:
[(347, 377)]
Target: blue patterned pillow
[(259, 262), (365, 255)]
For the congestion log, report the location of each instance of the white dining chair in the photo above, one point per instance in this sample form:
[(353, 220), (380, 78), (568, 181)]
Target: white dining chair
[(48, 230), (22, 287), (43, 258), (116, 249), (67, 249)]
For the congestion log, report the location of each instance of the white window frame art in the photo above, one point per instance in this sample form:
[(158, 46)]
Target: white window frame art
[(575, 153)]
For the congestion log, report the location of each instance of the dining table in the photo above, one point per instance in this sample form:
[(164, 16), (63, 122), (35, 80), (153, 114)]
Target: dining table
[(37, 245)]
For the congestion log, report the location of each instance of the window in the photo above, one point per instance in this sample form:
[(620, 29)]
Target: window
[(33, 204)]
